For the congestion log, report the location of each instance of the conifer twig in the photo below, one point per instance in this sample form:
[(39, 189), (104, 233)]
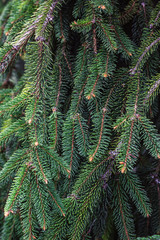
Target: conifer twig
[(133, 70)]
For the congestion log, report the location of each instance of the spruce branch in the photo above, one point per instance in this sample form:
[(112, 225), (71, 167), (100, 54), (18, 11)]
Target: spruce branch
[(79, 131), (155, 21), (152, 91), (129, 11), (16, 186), (147, 49)]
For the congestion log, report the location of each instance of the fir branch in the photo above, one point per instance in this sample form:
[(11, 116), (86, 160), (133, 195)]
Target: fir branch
[(19, 101), (26, 213), (113, 27), (19, 42), (81, 23), (129, 10), (80, 95), (40, 165), (41, 201), (152, 90), (122, 214), (15, 189), (80, 186), (131, 138), (91, 157), (49, 16), (17, 158), (150, 137), (137, 193), (56, 203), (147, 49), (26, 34), (8, 58), (56, 158), (9, 226), (155, 21), (80, 124), (100, 137), (64, 47), (127, 155), (112, 44), (82, 215), (71, 88), (89, 96), (13, 128)]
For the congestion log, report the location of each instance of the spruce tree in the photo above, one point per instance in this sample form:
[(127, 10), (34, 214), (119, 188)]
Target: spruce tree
[(79, 119)]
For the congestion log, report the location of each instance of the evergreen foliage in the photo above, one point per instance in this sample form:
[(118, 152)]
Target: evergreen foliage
[(79, 119)]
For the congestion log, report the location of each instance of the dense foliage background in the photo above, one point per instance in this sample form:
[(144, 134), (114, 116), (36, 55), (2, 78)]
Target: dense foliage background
[(79, 119)]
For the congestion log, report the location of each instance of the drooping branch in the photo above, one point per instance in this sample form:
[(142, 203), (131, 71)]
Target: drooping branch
[(147, 49)]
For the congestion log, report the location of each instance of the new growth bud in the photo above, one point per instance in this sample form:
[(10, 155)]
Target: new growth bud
[(36, 144)]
